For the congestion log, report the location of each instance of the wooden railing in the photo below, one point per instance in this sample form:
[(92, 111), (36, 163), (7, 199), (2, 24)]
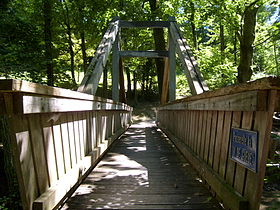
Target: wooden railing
[(202, 127), (57, 136)]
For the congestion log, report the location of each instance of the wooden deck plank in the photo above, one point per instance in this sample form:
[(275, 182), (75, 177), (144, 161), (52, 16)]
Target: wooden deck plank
[(143, 170)]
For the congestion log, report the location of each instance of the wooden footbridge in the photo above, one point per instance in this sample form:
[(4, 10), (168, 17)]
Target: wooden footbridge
[(73, 150)]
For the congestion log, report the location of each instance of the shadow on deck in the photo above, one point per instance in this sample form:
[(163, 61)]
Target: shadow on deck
[(143, 170)]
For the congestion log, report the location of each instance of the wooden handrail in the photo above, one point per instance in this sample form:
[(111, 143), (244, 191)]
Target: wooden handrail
[(56, 136), (202, 127)]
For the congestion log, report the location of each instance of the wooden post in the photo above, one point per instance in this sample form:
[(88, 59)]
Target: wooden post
[(164, 92), (116, 68), (122, 88), (172, 65)]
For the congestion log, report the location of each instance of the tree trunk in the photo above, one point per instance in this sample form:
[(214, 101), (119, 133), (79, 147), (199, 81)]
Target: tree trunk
[(128, 82), (143, 82), (70, 43), (222, 42), (159, 43), (246, 39), (47, 10), (135, 87), (81, 6), (84, 53), (148, 67), (276, 57), (235, 48)]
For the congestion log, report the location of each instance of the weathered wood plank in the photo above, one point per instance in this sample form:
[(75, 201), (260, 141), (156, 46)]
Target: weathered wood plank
[(165, 87), (38, 152), (208, 135), (225, 144), (213, 137), (13, 85), (263, 124), (186, 128), (231, 167), (46, 123), (59, 153), (77, 136), (218, 141), (199, 127), (203, 143), (27, 175), (145, 177), (247, 101), (65, 143), (260, 84), (94, 129), (38, 104), (241, 171), (191, 141), (103, 125), (83, 129), (73, 146), (144, 24)]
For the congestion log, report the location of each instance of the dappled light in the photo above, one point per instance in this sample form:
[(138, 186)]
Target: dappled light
[(142, 170)]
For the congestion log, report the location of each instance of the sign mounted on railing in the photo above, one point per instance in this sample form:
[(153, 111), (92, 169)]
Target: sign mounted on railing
[(244, 148)]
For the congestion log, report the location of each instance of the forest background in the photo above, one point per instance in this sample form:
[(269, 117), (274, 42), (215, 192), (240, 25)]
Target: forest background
[(52, 41)]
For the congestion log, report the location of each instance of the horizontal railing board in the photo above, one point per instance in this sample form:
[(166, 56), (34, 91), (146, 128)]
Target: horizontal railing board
[(267, 83), (244, 101), (35, 104), (144, 24), (13, 85)]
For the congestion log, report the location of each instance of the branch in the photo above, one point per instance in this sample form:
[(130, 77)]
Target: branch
[(263, 41)]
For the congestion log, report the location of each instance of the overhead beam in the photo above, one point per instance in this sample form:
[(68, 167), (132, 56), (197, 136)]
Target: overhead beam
[(146, 54), (144, 24)]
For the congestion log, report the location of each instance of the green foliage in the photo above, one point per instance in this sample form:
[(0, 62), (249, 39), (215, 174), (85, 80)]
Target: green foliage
[(215, 73), (211, 28)]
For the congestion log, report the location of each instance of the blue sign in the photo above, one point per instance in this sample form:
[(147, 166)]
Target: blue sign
[(244, 148)]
